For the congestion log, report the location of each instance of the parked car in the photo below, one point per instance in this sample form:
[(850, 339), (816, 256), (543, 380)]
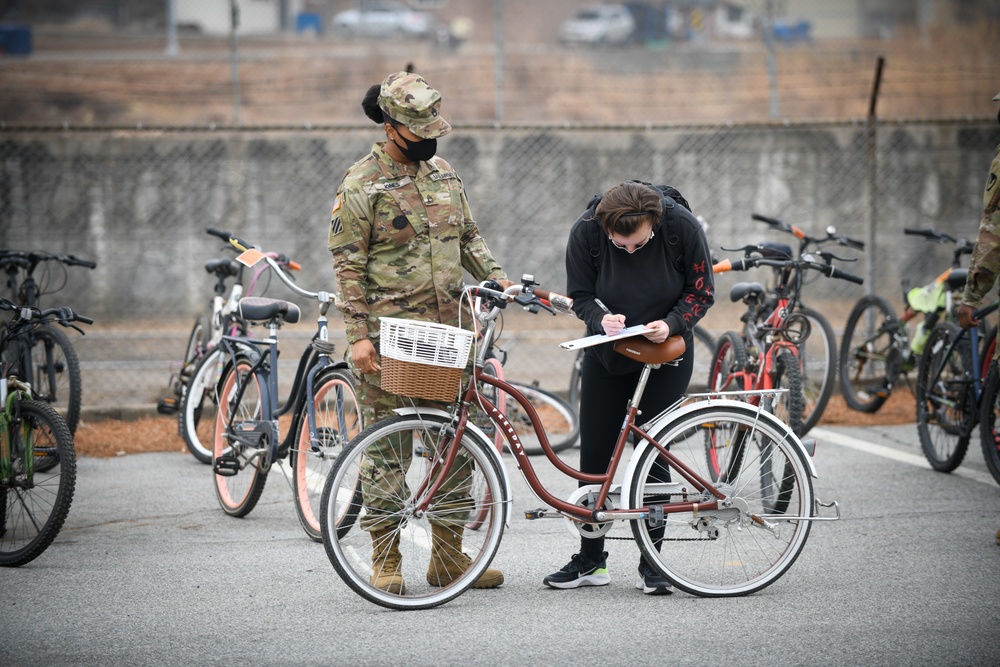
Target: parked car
[(599, 24), (384, 19)]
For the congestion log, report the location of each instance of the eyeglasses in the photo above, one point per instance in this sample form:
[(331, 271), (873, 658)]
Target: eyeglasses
[(637, 246)]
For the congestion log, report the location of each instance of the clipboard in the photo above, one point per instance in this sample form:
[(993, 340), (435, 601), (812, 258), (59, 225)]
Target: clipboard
[(598, 339)]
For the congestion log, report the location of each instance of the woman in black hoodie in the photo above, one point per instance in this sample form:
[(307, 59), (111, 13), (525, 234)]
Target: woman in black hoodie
[(636, 256)]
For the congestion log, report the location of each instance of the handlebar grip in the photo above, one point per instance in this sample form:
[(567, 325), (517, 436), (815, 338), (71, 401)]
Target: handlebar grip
[(76, 261), (852, 243), (918, 232), (81, 318), (844, 275), (215, 232), (743, 264), (763, 218), (563, 304)]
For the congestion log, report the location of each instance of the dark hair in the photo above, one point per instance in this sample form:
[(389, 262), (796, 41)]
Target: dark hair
[(371, 107), (626, 206)]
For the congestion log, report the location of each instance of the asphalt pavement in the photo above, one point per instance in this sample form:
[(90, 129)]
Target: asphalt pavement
[(149, 571)]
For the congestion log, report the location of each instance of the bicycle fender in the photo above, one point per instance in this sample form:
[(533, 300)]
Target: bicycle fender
[(665, 419), (484, 441)]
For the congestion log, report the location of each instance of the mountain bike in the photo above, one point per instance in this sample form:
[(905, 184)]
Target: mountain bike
[(688, 526), (322, 410), (878, 347), (37, 456), (817, 352), (191, 386), (950, 393), (54, 371), (764, 354)]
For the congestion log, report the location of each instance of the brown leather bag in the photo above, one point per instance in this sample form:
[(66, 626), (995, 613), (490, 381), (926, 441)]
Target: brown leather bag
[(647, 352)]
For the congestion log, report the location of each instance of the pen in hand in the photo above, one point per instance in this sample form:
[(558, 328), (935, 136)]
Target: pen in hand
[(615, 325)]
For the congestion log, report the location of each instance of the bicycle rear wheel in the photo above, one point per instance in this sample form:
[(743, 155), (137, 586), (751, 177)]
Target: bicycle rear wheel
[(34, 499), (560, 419), (338, 421), (55, 370), (730, 551), (945, 400), (395, 461), (989, 435), (196, 417), (239, 449), (870, 353)]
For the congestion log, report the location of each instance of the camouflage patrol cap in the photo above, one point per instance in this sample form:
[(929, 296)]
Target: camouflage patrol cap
[(407, 99)]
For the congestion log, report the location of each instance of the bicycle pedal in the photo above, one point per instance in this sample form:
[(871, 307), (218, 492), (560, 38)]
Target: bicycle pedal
[(536, 514), (226, 466), (167, 406)]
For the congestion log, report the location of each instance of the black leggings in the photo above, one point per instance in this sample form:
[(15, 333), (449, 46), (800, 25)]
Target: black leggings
[(603, 398)]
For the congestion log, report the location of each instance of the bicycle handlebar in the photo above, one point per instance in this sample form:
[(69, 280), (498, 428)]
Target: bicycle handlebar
[(278, 265), (937, 235), (831, 233), (28, 260), (63, 314), (747, 263)]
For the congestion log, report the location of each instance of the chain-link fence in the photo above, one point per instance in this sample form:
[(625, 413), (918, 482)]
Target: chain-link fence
[(138, 201)]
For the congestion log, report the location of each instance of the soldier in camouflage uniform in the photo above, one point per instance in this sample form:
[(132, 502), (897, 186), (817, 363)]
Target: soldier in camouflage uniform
[(984, 267), (401, 232)]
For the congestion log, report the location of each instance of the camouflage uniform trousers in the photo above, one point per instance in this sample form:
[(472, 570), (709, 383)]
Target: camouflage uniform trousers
[(385, 464)]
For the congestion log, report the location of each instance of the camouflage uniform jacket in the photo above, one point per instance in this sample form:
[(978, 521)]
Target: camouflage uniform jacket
[(400, 242), (985, 263)]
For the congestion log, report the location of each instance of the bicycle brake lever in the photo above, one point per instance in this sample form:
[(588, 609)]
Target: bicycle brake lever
[(747, 250)]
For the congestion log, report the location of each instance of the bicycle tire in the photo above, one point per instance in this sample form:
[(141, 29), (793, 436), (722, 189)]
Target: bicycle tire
[(698, 549), (197, 344), (945, 400), (238, 493), (871, 353), (729, 361), (33, 512), (196, 417), (560, 420), (818, 364), (408, 444), (989, 436), (55, 374), (498, 398), (576, 379), (338, 421)]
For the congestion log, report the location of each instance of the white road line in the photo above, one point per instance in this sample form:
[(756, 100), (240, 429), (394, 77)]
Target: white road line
[(850, 442)]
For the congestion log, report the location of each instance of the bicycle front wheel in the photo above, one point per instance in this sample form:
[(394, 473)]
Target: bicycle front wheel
[(945, 400), (34, 499), (870, 353), (988, 426), (55, 370), (396, 461), (818, 365), (726, 373), (338, 421), (560, 420), (196, 417), (734, 550), (239, 446)]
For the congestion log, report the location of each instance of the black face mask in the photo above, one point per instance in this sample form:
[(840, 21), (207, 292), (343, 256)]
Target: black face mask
[(417, 151)]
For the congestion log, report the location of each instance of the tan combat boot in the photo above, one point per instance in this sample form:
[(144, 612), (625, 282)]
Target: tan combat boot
[(386, 561), (448, 561)]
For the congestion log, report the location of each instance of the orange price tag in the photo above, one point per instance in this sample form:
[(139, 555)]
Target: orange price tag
[(250, 257)]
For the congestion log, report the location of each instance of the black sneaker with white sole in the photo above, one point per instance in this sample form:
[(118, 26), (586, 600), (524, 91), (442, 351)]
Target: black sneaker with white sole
[(581, 571), (652, 582)]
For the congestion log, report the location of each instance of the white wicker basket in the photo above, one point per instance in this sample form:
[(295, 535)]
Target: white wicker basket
[(423, 359)]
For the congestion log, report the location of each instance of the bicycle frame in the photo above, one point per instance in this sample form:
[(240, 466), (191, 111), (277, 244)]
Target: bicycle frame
[(979, 367), (443, 460)]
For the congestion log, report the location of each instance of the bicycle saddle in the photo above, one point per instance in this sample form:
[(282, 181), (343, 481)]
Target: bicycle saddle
[(645, 351), (260, 309), (740, 290)]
